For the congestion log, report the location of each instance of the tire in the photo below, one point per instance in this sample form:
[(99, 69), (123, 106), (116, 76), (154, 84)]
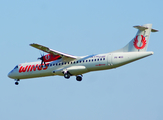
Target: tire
[(67, 75), (16, 83), (78, 78)]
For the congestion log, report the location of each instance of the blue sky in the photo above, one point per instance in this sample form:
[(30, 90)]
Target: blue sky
[(133, 91)]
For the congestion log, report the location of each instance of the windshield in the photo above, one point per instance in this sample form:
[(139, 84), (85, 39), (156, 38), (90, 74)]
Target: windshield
[(16, 67)]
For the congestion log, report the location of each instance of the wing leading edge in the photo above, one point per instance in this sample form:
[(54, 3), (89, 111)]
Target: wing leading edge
[(51, 51)]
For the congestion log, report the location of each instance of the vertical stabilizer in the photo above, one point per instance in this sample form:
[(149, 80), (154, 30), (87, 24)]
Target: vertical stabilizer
[(140, 42)]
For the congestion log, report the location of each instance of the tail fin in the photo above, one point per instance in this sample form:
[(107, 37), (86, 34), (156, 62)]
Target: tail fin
[(140, 42)]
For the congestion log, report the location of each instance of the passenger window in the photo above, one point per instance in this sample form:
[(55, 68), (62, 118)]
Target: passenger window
[(77, 62), (89, 60), (83, 61), (92, 60), (103, 58), (86, 60), (95, 59)]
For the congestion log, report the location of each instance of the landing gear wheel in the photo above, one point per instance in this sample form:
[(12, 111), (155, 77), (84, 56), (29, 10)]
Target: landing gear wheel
[(78, 78), (67, 75), (16, 83)]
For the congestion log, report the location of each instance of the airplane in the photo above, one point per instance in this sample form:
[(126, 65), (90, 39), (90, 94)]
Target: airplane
[(58, 63)]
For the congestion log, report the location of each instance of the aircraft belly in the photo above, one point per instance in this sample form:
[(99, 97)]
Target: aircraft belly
[(77, 70)]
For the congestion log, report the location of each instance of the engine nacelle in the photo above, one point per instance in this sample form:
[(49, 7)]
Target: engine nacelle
[(50, 57)]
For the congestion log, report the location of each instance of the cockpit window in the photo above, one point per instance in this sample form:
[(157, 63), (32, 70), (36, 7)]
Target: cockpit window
[(16, 67)]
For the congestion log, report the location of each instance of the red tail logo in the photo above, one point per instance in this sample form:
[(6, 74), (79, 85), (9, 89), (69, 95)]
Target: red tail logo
[(142, 40)]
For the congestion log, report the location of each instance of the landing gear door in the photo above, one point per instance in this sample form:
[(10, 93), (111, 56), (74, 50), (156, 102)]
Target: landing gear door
[(109, 59)]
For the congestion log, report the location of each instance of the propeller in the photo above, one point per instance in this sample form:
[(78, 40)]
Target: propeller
[(42, 59)]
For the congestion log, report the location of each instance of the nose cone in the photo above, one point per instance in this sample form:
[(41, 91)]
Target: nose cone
[(10, 74)]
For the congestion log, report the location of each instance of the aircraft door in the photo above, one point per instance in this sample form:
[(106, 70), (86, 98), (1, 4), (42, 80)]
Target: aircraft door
[(109, 60)]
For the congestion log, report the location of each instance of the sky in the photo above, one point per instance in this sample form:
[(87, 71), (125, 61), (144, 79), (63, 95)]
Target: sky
[(86, 27)]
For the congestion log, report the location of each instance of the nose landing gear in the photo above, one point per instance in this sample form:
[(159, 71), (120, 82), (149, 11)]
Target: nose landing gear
[(17, 82)]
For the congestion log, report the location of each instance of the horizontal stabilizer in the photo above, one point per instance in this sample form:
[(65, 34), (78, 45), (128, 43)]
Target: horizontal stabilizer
[(142, 28)]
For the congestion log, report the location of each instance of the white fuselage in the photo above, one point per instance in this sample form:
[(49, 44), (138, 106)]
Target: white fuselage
[(77, 66)]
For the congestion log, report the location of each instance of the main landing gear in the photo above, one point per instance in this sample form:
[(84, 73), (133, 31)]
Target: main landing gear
[(17, 82), (67, 75), (78, 77)]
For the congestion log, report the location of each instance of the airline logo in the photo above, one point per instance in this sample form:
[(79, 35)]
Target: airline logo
[(143, 41), (29, 68), (47, 57), (100, 65)]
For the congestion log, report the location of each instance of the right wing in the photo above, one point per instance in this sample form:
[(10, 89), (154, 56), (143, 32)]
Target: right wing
[(51, 51)]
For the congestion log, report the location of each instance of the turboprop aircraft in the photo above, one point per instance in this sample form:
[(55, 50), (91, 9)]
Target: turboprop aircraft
[(58, 63)]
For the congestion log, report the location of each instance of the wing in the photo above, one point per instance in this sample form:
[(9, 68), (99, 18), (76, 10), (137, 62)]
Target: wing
[(54, 52)]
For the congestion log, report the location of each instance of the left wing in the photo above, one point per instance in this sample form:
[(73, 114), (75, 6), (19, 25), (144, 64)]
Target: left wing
[(54, 52)]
